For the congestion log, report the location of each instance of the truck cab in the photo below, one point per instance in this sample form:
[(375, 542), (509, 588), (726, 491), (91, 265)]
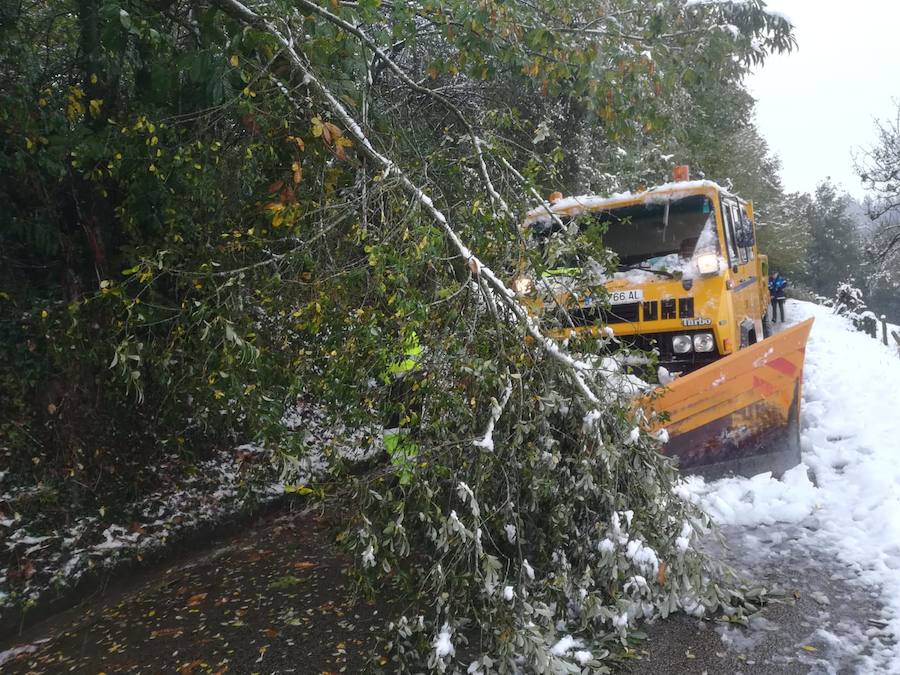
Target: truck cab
[(689, 281)]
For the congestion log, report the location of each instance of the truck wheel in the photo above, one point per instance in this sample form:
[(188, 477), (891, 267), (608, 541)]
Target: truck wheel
[(767, 327)]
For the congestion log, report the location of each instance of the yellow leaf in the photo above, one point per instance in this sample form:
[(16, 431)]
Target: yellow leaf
[(298, 172), (28, 144), (317, 127), (234, 60), (93, 78), (809, 648), (218, 393), (44, 314), (339, 145), (298, 489), (152, 168), (96, 105)]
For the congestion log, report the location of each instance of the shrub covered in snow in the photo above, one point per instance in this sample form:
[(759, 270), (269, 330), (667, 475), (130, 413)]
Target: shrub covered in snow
[(849, 302)]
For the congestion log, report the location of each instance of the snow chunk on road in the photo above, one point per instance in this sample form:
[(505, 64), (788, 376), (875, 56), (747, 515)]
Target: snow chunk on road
[(761, 500)]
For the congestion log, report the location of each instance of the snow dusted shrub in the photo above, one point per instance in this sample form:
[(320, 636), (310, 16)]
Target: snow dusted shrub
[(848, 299), (849, 302)]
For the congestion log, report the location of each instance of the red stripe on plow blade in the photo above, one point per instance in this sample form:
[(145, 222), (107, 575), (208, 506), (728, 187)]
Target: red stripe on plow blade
[(782, 365)]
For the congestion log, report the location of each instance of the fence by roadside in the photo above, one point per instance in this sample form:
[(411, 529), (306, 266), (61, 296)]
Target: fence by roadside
[(868, 323)]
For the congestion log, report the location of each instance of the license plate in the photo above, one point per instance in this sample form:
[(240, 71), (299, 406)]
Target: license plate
[(624, 297)]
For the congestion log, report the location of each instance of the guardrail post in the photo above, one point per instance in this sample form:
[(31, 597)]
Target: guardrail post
[(884, 329)]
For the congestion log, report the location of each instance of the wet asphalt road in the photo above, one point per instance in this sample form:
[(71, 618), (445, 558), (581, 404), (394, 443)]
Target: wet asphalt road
[(274, 599), (820, 619)]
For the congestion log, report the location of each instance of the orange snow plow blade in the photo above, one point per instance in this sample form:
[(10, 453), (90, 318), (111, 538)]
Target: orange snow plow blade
[(740, 414)]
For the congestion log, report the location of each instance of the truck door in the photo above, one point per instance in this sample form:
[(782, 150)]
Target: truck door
[(744, 279)]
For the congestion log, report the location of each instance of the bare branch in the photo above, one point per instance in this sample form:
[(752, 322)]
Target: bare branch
[(409, 82)]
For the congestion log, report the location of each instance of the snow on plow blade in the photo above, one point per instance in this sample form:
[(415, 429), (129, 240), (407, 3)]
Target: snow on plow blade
[(740, 414)]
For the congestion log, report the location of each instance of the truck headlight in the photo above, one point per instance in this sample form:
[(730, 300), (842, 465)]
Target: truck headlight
[(708, 263), (681, 344), (522, 285), (704, 342)]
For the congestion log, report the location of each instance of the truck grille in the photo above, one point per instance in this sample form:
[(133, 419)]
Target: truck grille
[(668, 308), (587, 316), (631, 312)]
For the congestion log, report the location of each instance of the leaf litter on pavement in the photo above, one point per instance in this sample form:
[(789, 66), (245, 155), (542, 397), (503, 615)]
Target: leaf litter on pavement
[(273, 599)]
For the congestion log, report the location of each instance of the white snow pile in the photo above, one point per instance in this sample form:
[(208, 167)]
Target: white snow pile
[(42, 561), (850, 440), (15, 652)]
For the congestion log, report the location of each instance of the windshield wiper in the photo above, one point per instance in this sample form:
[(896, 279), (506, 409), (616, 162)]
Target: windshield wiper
[(638, 266)]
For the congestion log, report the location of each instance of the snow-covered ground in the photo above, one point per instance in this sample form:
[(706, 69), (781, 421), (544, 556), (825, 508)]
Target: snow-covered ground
[(846, 494), (45, 561)]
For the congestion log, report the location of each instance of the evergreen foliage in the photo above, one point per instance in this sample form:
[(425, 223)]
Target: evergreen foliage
[(834, 247)]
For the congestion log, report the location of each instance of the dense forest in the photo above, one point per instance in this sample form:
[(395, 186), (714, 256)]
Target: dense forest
[(212, 209)]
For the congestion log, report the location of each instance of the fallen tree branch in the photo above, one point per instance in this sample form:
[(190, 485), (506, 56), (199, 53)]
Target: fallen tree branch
[(506, 296)]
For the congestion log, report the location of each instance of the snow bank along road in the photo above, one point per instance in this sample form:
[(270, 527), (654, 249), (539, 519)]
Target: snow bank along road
[(846, 494)]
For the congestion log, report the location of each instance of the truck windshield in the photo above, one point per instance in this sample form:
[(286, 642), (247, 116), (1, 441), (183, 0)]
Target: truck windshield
[(654, 234), (646, 232)]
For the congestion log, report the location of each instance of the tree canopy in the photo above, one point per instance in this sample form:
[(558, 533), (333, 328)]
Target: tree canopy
[(213, 208)]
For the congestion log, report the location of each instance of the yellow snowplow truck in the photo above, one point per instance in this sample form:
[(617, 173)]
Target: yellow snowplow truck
[(692, 287)]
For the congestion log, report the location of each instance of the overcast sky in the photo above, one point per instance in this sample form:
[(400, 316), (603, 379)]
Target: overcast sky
[(817, 105)]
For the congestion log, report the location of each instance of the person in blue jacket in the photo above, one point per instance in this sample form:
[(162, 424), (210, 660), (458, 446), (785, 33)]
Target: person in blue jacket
[(777, 285)]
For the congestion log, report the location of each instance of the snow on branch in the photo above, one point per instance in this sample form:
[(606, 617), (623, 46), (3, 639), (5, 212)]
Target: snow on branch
[(497, 407), (501, 292)]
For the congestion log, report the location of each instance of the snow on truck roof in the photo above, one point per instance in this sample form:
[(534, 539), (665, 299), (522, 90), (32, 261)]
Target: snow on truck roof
[(568, 206)]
